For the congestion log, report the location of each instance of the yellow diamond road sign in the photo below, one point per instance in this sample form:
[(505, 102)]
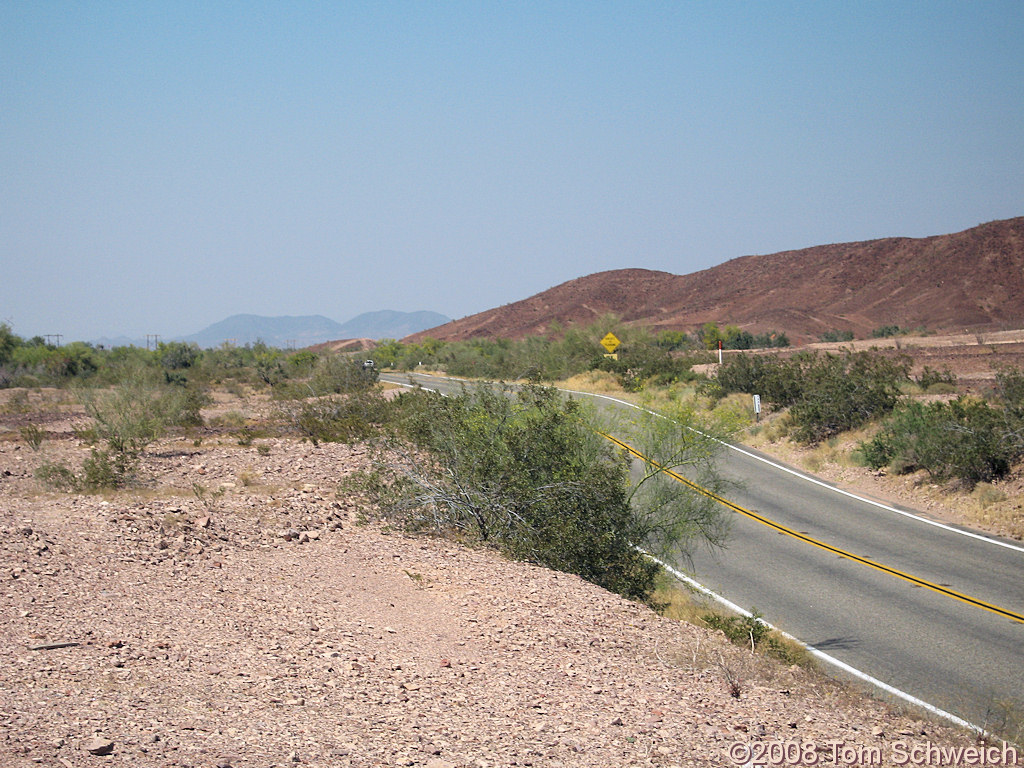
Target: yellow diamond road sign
[(610, 343)]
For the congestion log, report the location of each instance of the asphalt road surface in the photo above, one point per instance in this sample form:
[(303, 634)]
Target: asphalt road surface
[(959, 657)]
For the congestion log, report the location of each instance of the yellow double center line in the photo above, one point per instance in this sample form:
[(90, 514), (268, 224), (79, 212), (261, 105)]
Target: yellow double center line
[(820, 544)]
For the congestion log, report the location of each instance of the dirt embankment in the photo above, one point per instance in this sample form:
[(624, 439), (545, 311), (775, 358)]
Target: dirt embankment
[(235, 613)]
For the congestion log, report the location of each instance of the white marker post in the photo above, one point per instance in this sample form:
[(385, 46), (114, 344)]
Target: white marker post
[(757, 407), (719, 351)]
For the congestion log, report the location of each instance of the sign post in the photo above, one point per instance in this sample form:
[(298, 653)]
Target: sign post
[(757, 407), (610, 343)]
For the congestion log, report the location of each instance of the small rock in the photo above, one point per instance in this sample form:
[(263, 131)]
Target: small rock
[(97, 745), (203, 522)]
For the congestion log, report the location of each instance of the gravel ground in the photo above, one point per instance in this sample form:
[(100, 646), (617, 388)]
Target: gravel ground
[(252, 620)]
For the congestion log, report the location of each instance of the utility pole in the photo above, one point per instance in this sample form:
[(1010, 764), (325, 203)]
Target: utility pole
[(57, 336), (155, 338)]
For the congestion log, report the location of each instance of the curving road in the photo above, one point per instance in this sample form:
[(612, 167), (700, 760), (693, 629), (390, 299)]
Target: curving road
[(961, 658)]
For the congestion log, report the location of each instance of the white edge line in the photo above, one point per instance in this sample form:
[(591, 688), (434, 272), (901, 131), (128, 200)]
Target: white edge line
[(816, 481), (842, 665), (832, 660)]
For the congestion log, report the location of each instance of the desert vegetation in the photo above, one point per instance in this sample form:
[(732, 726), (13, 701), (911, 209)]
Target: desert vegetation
[(525, 471), (644, 358), (966, 438), (129, 397)]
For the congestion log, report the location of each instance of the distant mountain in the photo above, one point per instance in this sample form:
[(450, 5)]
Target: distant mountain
[(281, 332), (968, 280), (307, 330), (388, 324), (109, 342)]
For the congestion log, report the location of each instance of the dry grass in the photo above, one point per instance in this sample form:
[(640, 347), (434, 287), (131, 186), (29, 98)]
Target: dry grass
[(998, 507), (597, 382), (677, 602)]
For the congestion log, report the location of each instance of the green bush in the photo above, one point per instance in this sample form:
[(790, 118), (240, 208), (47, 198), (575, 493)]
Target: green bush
[(965, 440), (842, 393), (933, 382), (176, 355), (1010, 392), (342, 419), (33, 435), (826, 394), (837, 336), (127, 418), (526, 473), (752, 632), (9, 341), (335, 374), (887, 331)]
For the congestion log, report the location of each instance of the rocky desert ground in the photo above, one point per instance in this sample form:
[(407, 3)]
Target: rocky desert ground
[(239, 609)]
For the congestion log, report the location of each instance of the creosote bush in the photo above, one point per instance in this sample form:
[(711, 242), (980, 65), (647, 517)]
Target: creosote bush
[(825, 394), (125, 419), (341, 418), (966, 440)]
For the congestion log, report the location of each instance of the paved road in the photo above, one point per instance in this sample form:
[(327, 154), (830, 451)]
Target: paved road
[(961, 658)]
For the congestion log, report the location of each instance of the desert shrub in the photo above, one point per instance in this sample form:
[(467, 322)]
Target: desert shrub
[(987, 494), (229, 419), (341, 419), (741, 630), (842, 393), (965, 440), (826, 394), (525, 473), (887, 331), (1010, 392), (640, 364), (9, 341), (176, 355), (302, 362), (125, 419), (33, 435), (335, 374), (936, 382), (732, 337), (752, 632), (674, 340), (57, 476), (837, 336), (745, 373)]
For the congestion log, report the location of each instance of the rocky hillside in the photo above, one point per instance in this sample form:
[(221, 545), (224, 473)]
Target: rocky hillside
[(971, 280)]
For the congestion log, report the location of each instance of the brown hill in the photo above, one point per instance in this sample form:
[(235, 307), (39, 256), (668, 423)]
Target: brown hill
[(968, 280)]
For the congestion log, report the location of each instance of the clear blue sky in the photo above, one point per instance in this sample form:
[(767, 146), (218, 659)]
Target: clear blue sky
[(164, 165)]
